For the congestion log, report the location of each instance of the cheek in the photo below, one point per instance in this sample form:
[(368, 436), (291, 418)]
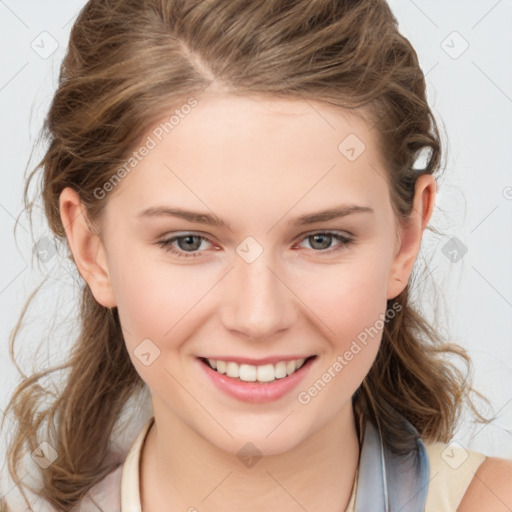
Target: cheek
[(349, 304), (153, 295), (352, 307), (160, 306), (348, 297)]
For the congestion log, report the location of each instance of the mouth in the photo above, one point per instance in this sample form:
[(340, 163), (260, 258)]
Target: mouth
[(264, 373)]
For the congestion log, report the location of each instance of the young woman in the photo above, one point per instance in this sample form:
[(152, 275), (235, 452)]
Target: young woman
[(236, 184)]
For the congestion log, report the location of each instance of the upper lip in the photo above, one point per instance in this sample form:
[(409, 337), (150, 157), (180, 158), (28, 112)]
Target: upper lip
[(258, 362)]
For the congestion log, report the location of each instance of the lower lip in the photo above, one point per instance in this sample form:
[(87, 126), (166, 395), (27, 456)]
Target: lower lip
[(257, 392)]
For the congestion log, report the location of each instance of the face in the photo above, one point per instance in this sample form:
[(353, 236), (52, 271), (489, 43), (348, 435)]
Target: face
[(262, 283)]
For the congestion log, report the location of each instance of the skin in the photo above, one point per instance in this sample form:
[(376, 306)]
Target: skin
[(490, 488), (256, 163)]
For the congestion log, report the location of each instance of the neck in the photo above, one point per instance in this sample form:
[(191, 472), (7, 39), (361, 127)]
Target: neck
[(183, 470)]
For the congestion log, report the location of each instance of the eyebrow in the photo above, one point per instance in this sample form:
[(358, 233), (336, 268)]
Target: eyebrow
[(214, 220)]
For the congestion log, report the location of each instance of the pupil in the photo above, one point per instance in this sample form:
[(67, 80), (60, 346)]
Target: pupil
[(188, 240), (326, 243)]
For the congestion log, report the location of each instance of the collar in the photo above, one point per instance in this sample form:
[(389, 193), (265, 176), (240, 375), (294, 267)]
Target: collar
[(389, 482), (130, 496)]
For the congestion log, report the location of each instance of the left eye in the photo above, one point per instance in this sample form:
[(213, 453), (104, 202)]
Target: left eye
[(324, 239), (185, 242), (188, 244)]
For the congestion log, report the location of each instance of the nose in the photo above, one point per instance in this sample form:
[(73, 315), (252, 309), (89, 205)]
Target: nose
[(258, 302)]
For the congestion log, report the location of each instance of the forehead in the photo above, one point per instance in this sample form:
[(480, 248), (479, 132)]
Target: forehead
[(243, 150)]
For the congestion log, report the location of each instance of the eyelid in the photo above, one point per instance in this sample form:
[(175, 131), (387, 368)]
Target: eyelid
[(182, 234), (311, 232), (344, 239)]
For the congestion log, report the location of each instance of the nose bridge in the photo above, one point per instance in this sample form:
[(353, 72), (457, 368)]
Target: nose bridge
[(258, 303)]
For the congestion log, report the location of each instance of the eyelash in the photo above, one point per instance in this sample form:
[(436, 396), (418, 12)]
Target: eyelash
[(168, 247)]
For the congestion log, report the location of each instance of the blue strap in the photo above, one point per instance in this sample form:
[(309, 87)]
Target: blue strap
[(388, 482)]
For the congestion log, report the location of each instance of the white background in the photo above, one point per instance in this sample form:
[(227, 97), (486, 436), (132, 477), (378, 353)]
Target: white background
[(471, 94)]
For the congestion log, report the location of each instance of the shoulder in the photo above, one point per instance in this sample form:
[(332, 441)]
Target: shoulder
[(491, 487), (452, 468)]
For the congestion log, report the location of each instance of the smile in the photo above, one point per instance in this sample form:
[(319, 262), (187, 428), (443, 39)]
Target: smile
[(256, 383), (252, 373)]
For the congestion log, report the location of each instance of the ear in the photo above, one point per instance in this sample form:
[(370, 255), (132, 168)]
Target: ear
[(410, 234), (86, 247)]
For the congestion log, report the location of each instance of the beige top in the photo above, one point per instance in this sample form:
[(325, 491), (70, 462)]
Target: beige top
[(451, 470)]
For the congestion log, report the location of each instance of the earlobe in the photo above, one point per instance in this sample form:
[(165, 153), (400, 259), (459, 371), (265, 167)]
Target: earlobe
[(86, 247), (411, 235)]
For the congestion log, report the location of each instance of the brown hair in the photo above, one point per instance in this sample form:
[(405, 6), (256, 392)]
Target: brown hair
[(127, 58)]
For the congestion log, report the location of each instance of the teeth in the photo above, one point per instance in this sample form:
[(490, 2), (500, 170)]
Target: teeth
[(280, 370), (232, 370), (251, 373), (248, 373), (290, 367)]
